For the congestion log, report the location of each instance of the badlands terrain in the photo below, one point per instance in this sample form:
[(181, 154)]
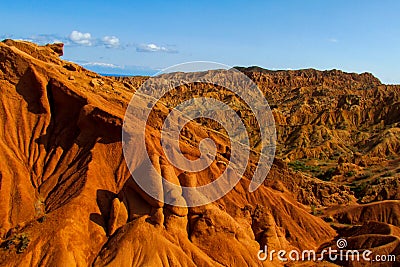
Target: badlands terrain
[(67, 197)]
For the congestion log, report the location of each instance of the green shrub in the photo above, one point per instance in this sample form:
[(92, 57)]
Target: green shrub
[(387, 174), (365, 175), (359, 189), (314, 210), (298, 165), (23, 243), (327, 175), (19, 242)]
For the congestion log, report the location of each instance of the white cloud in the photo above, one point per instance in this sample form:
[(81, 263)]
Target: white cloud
[(77, 38), (154, 48), (43, 39), (101, 64), (333, 40), (110, 41), (80, 38), (86, 39)]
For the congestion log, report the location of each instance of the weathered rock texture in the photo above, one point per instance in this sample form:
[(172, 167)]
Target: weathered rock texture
[(68, 199)]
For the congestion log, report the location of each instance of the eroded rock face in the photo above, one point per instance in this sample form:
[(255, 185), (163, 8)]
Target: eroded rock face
[(66, 192), (344, 126), (379, 238), (318, 114), (58, 48), (387, 188)]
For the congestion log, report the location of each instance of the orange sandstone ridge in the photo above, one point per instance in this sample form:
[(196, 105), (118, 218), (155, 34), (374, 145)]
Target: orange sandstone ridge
[(68, 199)]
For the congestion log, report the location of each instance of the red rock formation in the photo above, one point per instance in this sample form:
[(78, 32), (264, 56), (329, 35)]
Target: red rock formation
[(67, 197)]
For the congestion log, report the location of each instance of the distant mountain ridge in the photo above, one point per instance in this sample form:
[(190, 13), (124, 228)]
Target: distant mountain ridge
[(67, 197)]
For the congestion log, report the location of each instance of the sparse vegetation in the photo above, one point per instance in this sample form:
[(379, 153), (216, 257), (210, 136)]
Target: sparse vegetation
[(377, 181), (327, 175), (315, 211), (19, 242), (359, 189), (66, 118), (315, 170), (388, 174), (365, 176), (298, 165), (23, 242), (335, 155)]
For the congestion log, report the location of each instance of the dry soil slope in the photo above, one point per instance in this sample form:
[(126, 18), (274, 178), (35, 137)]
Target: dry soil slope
[(66, 196)]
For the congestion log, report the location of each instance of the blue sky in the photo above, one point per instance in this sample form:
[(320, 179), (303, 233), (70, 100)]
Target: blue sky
[(130, 37)]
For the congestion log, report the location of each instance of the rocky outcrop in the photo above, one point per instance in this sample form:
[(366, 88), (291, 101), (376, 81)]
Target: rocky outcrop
[(67, 195), (68, 198)]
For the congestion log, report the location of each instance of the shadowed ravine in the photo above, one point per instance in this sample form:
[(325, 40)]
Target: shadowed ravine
[(67, 197)]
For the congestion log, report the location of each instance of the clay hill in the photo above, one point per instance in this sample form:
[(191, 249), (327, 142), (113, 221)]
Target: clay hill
[(68, 199)]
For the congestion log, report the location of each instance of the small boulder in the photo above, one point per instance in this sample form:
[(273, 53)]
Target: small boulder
[(58, 48), (70, 67)]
